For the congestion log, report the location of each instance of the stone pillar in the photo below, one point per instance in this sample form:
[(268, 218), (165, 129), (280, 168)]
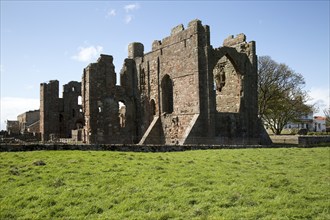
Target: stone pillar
[(49, 109)]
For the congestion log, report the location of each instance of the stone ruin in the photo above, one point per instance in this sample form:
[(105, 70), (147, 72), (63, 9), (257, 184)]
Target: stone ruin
[(183, 91)]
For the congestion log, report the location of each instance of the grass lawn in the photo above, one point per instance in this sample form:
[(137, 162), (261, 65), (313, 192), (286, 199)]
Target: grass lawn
[(291, 183)]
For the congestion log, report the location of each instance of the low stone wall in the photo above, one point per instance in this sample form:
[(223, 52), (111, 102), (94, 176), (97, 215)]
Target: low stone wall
[(284, 139), (312, 140), (130, 148)]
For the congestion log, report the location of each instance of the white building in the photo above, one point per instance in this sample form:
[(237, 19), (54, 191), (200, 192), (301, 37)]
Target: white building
[(319, 124), (305, 122), (315, 124)]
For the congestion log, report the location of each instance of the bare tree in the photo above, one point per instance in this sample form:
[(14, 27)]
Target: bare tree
[(281, 98), (327, 117)]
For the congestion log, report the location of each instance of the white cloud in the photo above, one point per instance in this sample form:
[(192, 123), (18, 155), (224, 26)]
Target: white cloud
[(320, 97), (131, 7), (111, 13), (86, 54), (128, 18), (13, 106)]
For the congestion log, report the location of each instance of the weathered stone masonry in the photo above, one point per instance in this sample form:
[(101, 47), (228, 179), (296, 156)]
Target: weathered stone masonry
[(59, 116), (183, 91)]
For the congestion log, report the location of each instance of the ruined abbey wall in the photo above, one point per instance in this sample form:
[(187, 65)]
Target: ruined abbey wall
[(59, 116), (183, 91), (234, 67), (169, 79)]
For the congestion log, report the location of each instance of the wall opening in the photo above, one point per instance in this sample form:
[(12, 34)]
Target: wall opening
[(79, 100), (122, 114), (167, 94), (152, 107), (60, 118), (100, 106), (142, 80), (79, 124), (227, 86)]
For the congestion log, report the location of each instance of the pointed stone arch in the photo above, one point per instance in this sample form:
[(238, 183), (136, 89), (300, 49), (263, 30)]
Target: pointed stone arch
[(227, 80)]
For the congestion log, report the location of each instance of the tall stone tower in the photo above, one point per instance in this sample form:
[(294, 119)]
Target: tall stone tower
[(49, 109), (99, 104)]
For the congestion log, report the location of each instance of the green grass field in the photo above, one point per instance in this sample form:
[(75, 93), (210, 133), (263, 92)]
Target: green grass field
[(292, 183)]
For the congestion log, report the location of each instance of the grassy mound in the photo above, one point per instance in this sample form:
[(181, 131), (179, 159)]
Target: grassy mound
[(213, 184)]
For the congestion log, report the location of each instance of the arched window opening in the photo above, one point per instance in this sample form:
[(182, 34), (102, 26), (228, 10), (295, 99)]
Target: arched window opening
[(73, 89), (79, 100), (152, 107), (122, 114), (167, 94)]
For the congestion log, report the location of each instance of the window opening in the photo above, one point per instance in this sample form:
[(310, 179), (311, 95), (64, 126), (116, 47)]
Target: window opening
[(152, 107), (61, 118), (122, 114), (167, 94), (79, 100)]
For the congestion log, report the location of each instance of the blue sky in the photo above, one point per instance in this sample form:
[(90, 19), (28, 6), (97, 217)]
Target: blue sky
[(46, 40)]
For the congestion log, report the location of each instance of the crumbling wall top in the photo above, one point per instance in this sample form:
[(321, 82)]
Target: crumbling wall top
[(105, 58), (50, 82), (177, 29), (194, 23), (72, 86), (135, 49), (232, 41), (179, 33)]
